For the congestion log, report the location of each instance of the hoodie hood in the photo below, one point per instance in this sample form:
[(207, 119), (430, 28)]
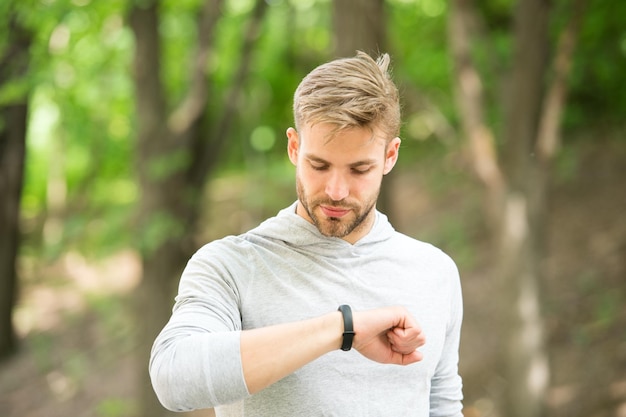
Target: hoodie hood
[(295, 231)]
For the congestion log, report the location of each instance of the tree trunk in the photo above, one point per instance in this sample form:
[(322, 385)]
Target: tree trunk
[(470, 102), (12, 152), (532, 120), (161, 257), (518, 191), (175, 157), (13, 119), (359, 25), (520, 235)]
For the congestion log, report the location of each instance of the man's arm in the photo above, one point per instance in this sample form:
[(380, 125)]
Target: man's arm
[(446, 392), (386, 335)]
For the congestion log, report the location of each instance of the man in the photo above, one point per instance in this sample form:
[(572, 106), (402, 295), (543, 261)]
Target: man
[(257, 328)]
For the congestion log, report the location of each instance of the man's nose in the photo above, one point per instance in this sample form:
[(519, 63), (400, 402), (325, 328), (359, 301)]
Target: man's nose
[(337, 187)]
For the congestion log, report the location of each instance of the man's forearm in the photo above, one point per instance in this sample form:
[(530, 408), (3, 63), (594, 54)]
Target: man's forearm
[(269, 354)]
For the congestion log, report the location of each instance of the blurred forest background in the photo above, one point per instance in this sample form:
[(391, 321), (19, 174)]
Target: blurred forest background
[(133, 132)]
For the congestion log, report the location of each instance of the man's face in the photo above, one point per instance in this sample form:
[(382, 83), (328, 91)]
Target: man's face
[(338, 178)]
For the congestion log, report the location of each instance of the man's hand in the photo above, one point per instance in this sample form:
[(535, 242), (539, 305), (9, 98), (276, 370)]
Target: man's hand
[(388, 335)]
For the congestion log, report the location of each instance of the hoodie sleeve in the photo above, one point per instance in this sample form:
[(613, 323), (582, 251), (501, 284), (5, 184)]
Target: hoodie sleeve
[(195, 361), (446, 389)]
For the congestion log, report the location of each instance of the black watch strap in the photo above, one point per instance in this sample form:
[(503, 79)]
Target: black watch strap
[(348, 329)]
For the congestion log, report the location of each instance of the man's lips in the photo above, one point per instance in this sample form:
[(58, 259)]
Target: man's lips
[(331, 211)]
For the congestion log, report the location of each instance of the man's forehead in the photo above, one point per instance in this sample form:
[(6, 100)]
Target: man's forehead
[(327, 134)]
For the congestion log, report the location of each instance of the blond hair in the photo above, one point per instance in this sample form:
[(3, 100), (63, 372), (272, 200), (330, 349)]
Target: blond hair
[(350, 92)]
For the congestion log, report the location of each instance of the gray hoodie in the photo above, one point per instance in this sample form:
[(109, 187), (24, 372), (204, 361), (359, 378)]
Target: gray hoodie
[(285, 270)]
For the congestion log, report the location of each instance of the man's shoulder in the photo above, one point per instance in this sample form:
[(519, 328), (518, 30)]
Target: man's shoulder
[(245, 242), (413, 243), (419, 248), (224, 246)]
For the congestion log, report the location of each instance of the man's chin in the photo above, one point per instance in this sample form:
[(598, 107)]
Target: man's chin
[(333, 227)]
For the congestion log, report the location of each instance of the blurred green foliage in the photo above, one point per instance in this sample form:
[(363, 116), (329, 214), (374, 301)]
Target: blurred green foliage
[(80, 163)]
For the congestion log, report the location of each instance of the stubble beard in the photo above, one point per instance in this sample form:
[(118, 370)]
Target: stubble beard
[(336, 226)]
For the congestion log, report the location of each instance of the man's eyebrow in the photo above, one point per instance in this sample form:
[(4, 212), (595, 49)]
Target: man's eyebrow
[(314, 158), (363, 162)]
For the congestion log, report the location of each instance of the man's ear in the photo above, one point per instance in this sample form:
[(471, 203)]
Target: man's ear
[(391, 155), (293, 144)]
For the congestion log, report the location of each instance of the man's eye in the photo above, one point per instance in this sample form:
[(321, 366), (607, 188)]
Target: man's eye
[(361, 171), (319, 167)]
